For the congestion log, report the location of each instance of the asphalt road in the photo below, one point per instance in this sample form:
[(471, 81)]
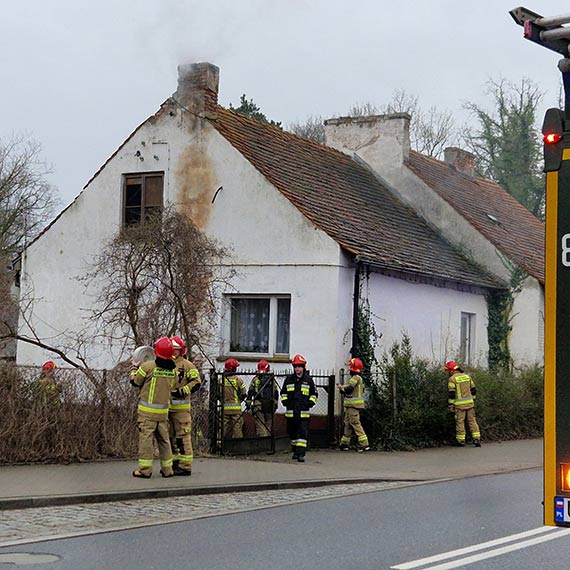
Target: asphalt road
[(393, 528)]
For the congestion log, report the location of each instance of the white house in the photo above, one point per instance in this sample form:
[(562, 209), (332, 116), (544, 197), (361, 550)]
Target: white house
[(314, 232)]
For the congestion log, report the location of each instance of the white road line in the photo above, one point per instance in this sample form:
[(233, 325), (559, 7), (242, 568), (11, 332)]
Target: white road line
[(499, 551), (474, 548)]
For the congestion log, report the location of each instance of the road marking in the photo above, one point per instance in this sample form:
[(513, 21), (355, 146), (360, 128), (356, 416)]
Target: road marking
[(499, 551), (474, 548)]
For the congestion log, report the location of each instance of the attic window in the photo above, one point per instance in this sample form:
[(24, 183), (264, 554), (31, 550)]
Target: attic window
[(142, 196), (493, 218)]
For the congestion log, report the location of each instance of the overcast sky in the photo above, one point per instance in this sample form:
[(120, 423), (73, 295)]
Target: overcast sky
[(79, 76)]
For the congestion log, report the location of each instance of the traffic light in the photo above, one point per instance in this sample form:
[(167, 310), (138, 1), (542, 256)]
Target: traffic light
[(553, 137)]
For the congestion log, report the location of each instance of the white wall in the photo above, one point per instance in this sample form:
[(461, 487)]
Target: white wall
[(383, 144), (430, 316), (274, 248), (53, 263), (527, 340)]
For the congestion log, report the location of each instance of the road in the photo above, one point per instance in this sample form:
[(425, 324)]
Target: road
[(381, 526)]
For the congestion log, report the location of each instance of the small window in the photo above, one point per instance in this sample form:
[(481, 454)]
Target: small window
[(467, 338), (143, 197), (259, 325)]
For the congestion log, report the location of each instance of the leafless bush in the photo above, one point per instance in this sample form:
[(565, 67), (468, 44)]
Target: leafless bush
[(80, 422)]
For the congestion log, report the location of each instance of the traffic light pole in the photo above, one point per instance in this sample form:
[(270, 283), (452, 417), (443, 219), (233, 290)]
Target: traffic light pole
[(550, 33)]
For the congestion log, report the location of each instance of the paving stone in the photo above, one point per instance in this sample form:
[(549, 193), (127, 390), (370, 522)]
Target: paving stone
[(37, 524)]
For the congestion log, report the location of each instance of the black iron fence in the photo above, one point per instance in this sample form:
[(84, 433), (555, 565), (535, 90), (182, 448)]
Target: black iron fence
[(323, 426)]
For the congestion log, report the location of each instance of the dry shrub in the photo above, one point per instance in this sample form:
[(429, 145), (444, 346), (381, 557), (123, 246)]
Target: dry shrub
[(87, 420)]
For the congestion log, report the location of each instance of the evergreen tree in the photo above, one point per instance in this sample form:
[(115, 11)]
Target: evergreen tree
[(506, 142), (249, 108)]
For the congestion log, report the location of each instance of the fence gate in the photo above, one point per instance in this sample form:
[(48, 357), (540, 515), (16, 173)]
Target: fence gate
[(322, 425)]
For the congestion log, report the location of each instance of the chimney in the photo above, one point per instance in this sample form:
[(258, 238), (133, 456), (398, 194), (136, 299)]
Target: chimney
[(462, 160), (382, 141), (198, 86)]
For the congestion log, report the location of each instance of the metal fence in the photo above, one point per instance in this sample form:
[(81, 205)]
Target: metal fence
[(323, 426)]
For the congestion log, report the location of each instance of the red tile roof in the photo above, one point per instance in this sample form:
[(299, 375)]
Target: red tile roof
[(345, 200), (508, 225)]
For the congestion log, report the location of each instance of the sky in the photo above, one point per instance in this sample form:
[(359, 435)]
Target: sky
[(79, 76)]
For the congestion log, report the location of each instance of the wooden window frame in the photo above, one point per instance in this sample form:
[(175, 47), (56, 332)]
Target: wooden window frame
[(143, 176)]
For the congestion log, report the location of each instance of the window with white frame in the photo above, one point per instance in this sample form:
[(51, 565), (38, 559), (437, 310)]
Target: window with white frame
[(259, 324), (467, 338)]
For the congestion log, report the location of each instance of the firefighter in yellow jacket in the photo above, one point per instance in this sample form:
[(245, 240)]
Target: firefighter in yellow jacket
[(461, 392), (154, 380), (186, 382), (262, 399), (234, 394), (46, 386), (353, 402)]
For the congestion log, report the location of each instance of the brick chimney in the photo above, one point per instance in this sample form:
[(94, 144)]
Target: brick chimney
[(462, 160), (382, 141), (198, 86)]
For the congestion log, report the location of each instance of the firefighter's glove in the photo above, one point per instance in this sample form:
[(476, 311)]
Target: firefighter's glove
[(179, 394)]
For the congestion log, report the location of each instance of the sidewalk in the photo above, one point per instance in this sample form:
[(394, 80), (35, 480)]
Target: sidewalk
[(24, 486)]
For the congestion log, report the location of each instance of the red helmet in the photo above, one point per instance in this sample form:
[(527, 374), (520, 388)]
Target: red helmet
[(355, 365), (451, 366), (231, 364), (263, 366), (177, 342), (163, 348), (299, 360), (49, 365)]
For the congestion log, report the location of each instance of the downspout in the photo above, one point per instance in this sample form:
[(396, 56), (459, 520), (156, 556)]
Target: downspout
[(355, 308)]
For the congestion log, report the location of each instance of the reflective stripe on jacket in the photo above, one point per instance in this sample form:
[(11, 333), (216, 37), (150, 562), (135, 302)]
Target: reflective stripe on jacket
[(298, 395), (155, 385), (355, 397), (187, 377), (459, 386), (234, 393)]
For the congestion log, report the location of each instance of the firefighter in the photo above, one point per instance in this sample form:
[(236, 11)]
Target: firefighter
[(298, 395), (46, 385), (461, 392), (154, 378), (262, 399), (353, 402), (186, 382), (234, 394)]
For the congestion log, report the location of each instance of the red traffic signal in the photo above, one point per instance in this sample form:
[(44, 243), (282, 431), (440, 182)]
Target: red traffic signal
[(553, 135), (552, 138)]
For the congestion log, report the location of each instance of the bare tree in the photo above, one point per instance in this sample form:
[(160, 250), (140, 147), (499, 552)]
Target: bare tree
[(158, 278), (26, 198), (431, 130), (312, 129), (26, 202)]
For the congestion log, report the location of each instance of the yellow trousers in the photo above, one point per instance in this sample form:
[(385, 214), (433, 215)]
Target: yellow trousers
[(460, 416), (149, 431), (181, 439), (352, 424)]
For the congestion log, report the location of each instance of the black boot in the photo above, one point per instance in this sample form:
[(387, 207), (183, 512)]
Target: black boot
[(182, 472)]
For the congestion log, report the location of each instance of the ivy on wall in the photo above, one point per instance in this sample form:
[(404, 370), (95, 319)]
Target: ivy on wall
[(367, 340), (499, 311)]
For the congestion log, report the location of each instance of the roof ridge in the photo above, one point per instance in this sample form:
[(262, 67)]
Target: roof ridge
[(277, 130)]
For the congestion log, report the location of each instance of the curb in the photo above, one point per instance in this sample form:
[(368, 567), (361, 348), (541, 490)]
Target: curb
[(12, 503)]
